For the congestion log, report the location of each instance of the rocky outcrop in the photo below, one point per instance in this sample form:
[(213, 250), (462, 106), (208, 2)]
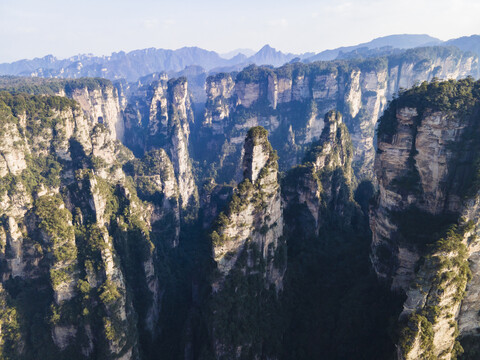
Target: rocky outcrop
[(44, 238), (159, 115), (100, 104), (181, 116), (261, 222), (322, 182), (414, 167), (219, 90), (433, 303), (156, 184), (425, 221), (395, 174), (248, 243), (77, 234), (297, 96)]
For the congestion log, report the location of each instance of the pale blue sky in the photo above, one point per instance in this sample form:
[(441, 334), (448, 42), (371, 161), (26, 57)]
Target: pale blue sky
[(34, 28)]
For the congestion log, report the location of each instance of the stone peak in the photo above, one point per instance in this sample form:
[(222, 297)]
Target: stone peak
[(267, 49), (257, 152), (257, 134), (333, 149), (332, 120)]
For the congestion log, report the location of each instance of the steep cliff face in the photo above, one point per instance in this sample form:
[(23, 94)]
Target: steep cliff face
[(324, 180), (413, 170), (145, 109), (156, 183), (79, 249), (291, 101), (154, 112), (219, 90), (100, 104), (425, 221), (249, 252), (158, 115), (97, 98)]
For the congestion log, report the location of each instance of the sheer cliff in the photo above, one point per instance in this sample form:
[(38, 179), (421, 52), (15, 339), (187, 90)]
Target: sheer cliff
[(249, 252), (158, 114), (149, 115), (98, 98), (80, 247), (425, 221), (290, 102)]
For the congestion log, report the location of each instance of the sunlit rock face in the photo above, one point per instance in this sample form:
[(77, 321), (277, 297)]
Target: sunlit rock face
[(81, 226), (291, 101), (425, 220)]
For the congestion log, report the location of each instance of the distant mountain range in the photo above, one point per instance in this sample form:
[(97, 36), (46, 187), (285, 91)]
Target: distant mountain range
[(405, 41), (466, 43), (231, 54), (135, 64)]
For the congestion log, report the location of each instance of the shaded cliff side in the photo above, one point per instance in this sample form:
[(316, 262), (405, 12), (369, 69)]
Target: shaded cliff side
[(333, 303)]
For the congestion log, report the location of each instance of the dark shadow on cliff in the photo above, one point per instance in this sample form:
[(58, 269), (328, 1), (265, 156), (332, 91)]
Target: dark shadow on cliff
[(336, 307)]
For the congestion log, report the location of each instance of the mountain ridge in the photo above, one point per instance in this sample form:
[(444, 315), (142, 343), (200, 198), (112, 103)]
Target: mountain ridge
[(137, 63)]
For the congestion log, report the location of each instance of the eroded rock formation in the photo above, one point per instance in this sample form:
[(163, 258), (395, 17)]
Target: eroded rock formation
[(425, 222), (291, 101)]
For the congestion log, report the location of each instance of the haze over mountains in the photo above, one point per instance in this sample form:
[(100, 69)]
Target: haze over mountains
[(231, 54), (138, 63), (392, 41)]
